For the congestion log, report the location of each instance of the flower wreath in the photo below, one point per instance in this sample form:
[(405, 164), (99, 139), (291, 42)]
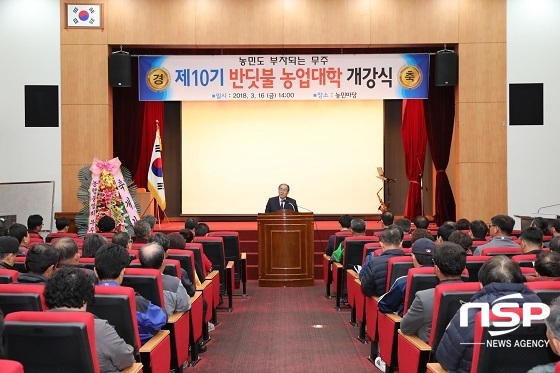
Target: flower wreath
[(106, 189)]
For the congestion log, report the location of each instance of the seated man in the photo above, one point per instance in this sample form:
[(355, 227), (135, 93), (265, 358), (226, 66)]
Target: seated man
[(190, 224), (123, 239), (9, 248), (553, 335), (70, 289), (479, 229), (374, 274), (344, 222), (405, 224), (500, 230), (40, 262), (110, 263), (547, 267), (554, 244), (106, 224), (499, 276), (421, 233), (92, 243), (151, 220), (142, 231), (358, 228), (34, 225), (449, 262), (62, 224), (462, 239), (444, 231), (20, 233), (531, 240), (70, 257), (393, 301), (175, 295), (421, 222), (463, 224), (202, 230), (187, 234)]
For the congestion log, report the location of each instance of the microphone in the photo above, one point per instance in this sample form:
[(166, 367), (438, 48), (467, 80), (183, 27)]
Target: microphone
[(544, 207), (293, 207)]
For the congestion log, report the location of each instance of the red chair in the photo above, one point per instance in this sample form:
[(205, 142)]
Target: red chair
[(43, 339), (11, 366), (233, 253), (22, 297), (489, 357), (397, 267), (528, 271), (525, 260), (87, 262), (8, 276), (508, 251), (546, 290), (172, 267), (54, 235), (414, 353), (473, 266), (370, 247), (327, 263), (360, 310), (19, 265)]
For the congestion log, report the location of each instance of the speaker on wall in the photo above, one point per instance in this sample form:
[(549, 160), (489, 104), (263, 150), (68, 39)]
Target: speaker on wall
[(446, 68), (119, 70)]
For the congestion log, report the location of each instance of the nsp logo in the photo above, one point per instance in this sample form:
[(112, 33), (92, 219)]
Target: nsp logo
[(532, 311)]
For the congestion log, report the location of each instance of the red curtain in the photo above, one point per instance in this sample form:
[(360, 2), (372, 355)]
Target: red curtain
[(414, 144), (440, 115)]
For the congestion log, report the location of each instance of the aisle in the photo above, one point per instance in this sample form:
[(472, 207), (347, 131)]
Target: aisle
[(272, 331)]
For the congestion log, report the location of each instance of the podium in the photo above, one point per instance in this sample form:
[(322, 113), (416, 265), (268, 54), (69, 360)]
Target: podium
[(286, 248)]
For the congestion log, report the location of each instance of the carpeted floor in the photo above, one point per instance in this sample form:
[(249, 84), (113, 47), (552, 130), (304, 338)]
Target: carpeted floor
[(272, 331)]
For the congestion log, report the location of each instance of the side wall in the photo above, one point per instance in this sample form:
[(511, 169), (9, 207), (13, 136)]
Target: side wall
[(30, 56), (476, 26)]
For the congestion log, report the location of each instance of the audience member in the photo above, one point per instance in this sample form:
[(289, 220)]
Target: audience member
[(68, 256), (405, 224), (106, 224), (20, 233), (71, 290), (393, 301), (35, 225), (479, 230), (387, 218), (421, 233), (358, 228), (177, 241), (547, 267), (554, 244), (421, 222), (462, 239), (463, 224), (555, 228), (62, 224), (142, 231), (92, 243), (123, 239), (188, 235), (449, 262), (344, 221), (151, 220), (542, 224), (201, 230), (373, 274), (500, 230), (553, 334), (40, 263), (499, 276), (444, 231), (531, 240), (9, 248), (175, 296), (110, 263), (191, 224)]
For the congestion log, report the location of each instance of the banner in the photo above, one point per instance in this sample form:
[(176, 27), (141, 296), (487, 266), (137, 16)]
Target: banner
[(284, 77), (155, 173)]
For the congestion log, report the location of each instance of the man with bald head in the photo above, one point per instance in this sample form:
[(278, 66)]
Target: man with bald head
[(175, 296)]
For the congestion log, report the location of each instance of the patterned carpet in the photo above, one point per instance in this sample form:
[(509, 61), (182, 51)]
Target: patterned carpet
[(272, 331)]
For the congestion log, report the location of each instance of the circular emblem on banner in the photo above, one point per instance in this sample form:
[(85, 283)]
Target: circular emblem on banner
[(410, 77), (158, 79), (157, 167), (83, 15)]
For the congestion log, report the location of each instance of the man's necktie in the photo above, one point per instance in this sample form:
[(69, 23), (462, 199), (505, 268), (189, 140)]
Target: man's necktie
[(282, 204)]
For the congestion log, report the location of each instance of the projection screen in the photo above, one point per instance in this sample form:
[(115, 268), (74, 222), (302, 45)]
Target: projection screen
[(235, 154)]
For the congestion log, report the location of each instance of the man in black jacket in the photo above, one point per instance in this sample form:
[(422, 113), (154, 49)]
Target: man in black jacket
[(40, 262), (374, 274), (282, 201)]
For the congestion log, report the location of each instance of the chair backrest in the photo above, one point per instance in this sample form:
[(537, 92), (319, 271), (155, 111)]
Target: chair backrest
[(52, 341), (87, 262), (525, 260), (117, 305), (55, 235), (488, 356), (407, 241), (186, 260), (197, 249), (448, 298), (418, 279), (508, 251), (147, 283), (231, 249), (370, 247), (8, 276), (397, 266), (546, 290), (19, 265), (473, 265), (354, 250), (339, 237), (172, 267), (22, 297), (214, 251)]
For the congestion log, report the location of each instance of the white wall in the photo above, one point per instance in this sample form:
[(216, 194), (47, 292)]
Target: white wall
[(30, 55), (533, 31)]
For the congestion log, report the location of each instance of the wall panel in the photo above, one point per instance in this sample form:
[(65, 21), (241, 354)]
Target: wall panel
[(482, 21)]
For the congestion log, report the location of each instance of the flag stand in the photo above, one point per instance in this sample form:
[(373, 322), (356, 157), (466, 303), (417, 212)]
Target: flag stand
[(155, 180), (157, 212)]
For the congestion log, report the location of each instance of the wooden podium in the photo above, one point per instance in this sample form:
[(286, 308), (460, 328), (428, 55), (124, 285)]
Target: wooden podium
[(286, 248)]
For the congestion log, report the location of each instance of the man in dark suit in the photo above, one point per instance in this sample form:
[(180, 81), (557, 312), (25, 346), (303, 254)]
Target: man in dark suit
[(282, 202)]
